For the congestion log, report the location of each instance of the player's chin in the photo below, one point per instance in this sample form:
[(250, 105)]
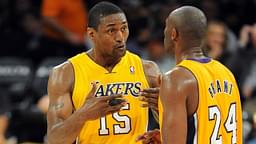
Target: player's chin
[(120, 52)]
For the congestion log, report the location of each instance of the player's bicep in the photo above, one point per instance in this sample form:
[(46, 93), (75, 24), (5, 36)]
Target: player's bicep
[(59, 91)]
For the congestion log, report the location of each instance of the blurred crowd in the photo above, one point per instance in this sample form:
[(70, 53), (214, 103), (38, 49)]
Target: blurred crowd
[(36, 35)]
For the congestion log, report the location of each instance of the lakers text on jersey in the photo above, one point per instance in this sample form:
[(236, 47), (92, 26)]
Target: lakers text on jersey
[(126, 78)]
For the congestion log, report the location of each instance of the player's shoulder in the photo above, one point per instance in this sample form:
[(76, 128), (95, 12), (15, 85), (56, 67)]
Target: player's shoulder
[(180, 75), (62, 75), (178, 71), (152, 66), (149, 67), (63, 68), (152, 72)]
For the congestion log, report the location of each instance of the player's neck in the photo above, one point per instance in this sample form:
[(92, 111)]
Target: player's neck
[(104, 61), (190, 53)]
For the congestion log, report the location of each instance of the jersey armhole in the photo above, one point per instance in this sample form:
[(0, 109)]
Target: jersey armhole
[(73, 86), (197, 83)]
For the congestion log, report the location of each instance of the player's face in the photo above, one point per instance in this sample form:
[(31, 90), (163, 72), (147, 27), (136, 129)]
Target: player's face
[(112, 35), (168, 42)]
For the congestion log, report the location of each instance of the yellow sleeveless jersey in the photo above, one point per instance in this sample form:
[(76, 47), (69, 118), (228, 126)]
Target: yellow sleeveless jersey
[(126, 78), (218, 119)]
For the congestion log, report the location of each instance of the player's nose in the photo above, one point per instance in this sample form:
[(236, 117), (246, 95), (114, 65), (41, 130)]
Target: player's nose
[(119, 37)]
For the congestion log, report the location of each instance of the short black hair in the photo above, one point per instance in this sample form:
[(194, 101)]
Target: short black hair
[(100, 10)]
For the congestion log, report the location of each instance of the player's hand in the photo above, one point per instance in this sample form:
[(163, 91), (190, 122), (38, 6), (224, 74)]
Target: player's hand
[(150, 137), (96, 107), (150, 97)]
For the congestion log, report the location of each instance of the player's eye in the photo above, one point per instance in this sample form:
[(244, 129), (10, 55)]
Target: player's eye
[(110, 31), (123, 29)]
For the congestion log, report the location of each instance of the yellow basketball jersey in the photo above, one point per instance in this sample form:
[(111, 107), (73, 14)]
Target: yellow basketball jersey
[(218, 119), (126, 78)]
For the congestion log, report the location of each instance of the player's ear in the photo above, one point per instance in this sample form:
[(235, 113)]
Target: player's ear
[(174, 34), (91, 33)]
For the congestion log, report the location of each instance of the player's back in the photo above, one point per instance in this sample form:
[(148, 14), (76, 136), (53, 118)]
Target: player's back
[(218, 119)]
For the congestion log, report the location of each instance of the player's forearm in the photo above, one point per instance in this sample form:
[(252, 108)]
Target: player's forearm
[(67, 131)]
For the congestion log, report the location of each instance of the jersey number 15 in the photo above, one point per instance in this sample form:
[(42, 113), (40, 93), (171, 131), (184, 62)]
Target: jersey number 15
[(117, 128)]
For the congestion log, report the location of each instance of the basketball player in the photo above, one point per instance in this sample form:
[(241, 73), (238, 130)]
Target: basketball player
[(80, 111), (199, 98)]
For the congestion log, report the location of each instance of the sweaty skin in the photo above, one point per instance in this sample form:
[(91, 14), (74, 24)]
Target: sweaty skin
[(179, 97), (61, 127), (150, 95), (65, 124), (179, 89)]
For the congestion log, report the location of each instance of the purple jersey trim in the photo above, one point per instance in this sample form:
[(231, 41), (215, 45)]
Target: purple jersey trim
[(201, 60)]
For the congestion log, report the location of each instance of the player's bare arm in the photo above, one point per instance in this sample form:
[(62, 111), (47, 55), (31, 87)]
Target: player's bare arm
[(152, 73), (179, 97), (150, 95), (63, 125)]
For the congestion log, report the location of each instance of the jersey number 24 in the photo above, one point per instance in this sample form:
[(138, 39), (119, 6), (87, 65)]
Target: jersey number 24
[(229, 124)]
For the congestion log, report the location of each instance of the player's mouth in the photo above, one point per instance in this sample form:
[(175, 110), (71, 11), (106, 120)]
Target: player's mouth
[(120, 47)]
